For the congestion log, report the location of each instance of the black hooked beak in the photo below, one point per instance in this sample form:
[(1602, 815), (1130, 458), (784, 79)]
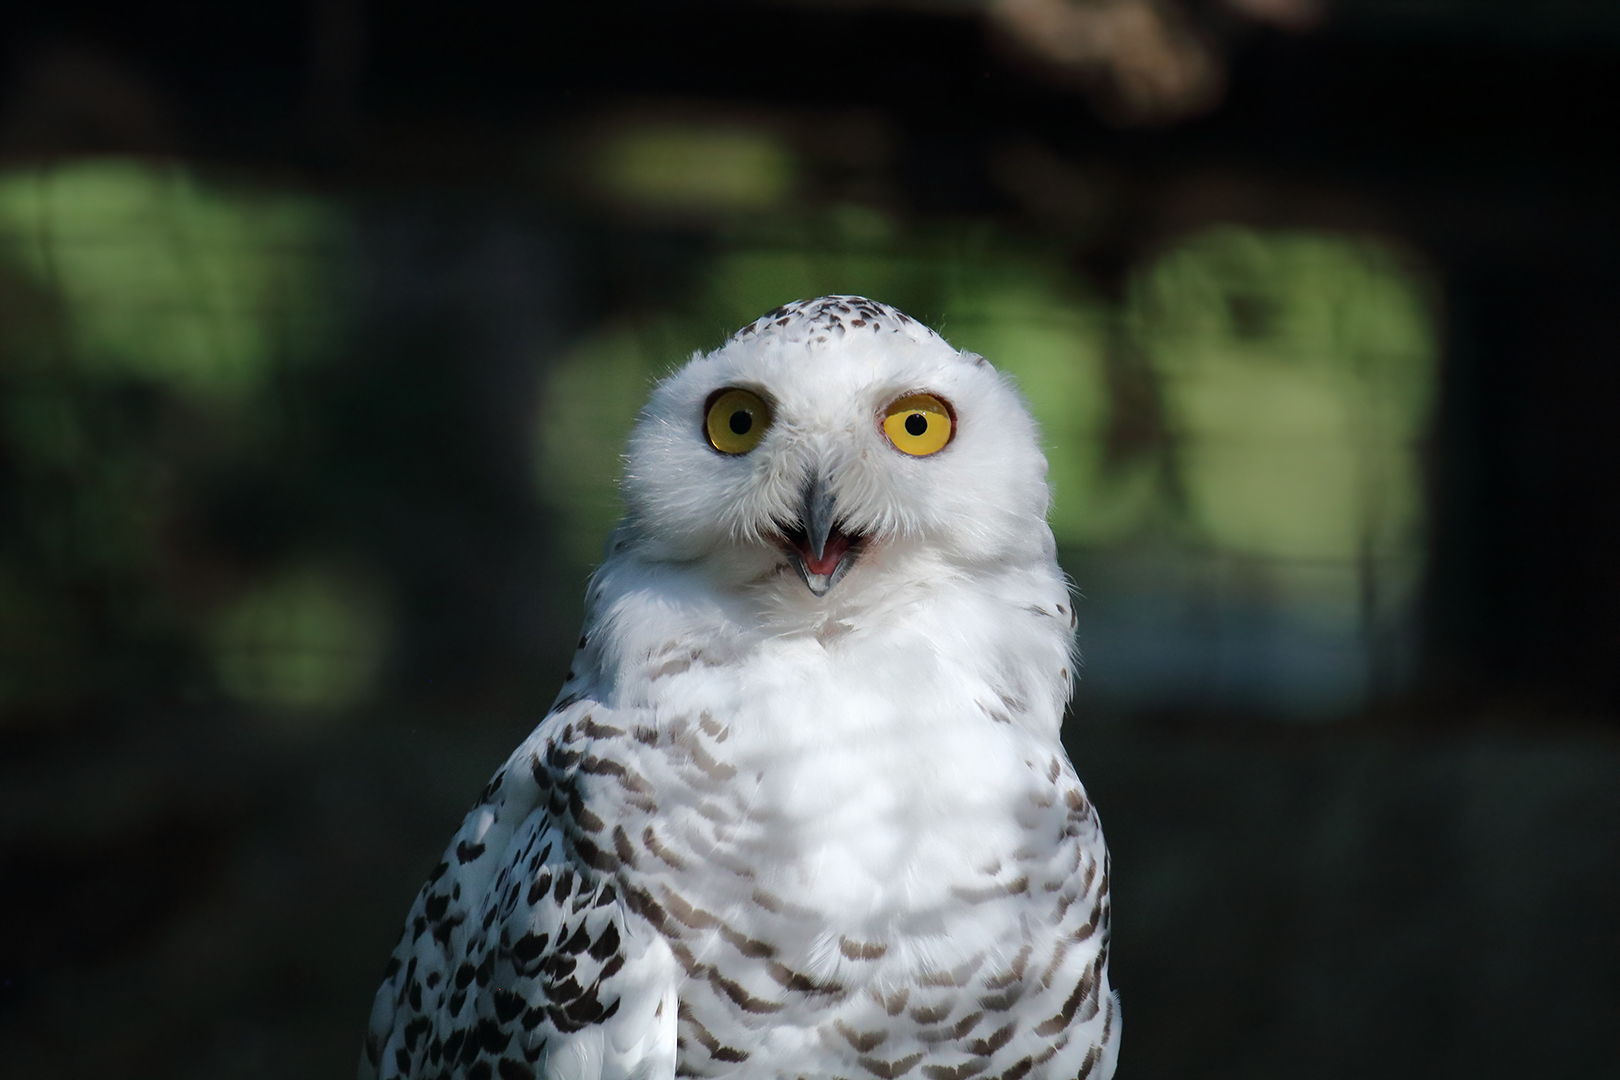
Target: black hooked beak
[(821, 552)]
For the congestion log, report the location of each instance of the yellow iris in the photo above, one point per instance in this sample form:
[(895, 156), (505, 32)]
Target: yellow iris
[(736, 421), (918, 424)]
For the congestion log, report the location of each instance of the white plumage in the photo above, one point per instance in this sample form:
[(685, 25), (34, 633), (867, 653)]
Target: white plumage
[(801, 809)]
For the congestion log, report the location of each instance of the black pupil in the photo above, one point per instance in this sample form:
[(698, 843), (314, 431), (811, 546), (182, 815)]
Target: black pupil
[(916, 424), (741, 421)]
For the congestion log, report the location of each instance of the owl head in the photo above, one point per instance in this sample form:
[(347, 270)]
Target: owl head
[(842, 439)]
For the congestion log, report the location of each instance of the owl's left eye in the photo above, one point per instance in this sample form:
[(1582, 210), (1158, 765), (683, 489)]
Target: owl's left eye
[(736, 420), (919, 424)]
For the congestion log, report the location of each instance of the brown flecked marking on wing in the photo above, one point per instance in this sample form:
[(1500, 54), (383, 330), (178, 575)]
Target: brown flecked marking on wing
[(577, 942), (688, 962), (984, 894), (1003, 1001), (643, 904), (957, 976), (888, 1070), (714, 812), (970, 1067), (706, 1039), (1051, 1050), (1085, 988), (592, 730), (748, 946), (713, 768), (1085, 882), (622, 847), (741, 997), (678, 666), (987, 1047), (528, 948), (804, 984), (1019, 1069), (1077, 802), (994, 714), (508, 1069), (861, 950), (1014, 972), (894, 1003), (664, 854), (594, 857), (606, 944), (862, 1041), (957, 1031), (596, 766), (695, 917), (582, 815), (1089, 927)]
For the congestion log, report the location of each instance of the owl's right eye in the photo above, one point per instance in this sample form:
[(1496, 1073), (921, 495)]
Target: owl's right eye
[(919, 424), (736, 420)]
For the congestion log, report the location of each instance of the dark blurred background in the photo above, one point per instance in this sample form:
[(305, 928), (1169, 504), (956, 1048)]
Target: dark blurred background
[(322, 324)]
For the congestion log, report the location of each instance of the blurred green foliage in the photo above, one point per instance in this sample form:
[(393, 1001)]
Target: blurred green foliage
[(152, 321), (162, 278), (694, 167), (1298, 373), (308, 638)]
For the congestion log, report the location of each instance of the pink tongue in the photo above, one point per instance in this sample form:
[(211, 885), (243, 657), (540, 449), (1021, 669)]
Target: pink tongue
[(837, 544)]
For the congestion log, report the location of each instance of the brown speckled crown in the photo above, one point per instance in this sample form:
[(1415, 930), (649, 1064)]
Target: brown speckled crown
[(824, 318)]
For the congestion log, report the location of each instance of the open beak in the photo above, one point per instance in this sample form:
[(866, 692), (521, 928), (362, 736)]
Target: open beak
[(821, 552)]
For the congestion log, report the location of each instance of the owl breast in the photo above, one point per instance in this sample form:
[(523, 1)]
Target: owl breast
[(837, 843)]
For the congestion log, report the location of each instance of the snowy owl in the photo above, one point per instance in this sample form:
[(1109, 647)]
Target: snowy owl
[(800, 809)]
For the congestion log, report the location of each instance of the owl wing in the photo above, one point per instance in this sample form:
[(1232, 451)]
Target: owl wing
[(519, 960)]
